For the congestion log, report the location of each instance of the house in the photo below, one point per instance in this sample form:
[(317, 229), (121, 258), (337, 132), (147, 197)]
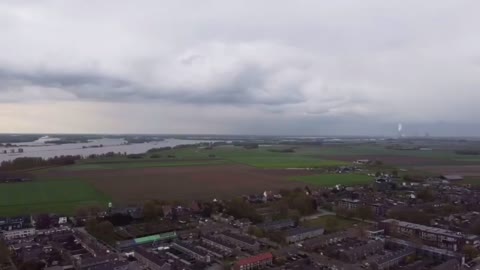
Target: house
[(302, 233), (362, 161), (349, 204), (242, 223), (254, 262), (223, 218)]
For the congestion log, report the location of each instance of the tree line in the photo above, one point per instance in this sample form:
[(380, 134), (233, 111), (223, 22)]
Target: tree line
[(24, 163)]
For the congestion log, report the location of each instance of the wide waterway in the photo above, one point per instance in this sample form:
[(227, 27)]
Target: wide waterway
[(42, 148)]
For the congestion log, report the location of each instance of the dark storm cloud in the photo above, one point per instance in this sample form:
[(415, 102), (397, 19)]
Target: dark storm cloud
[(291, 64), (242, 89)]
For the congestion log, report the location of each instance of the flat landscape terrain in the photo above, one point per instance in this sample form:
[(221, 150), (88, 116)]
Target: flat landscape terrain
[(181, 183), (330, 180), (194, 172), (56, 196)]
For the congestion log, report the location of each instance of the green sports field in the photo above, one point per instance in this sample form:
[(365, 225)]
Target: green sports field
[(47, 197), (329, 180)]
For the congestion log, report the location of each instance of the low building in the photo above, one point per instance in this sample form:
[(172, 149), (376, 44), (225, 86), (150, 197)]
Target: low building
[(254, 262), (128, 244), (390, 260), (15, 223), (349, 204), (277, 225), (432, 236), (242, 241), (325, 240), (302, 233), (194, 252), (20, 233), (358, 253), (218, 243), (150, 260)]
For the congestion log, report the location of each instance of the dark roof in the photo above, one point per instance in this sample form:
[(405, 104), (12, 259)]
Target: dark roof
[(302, 230), (219, 241), (283, 222), (254, 259), (191, 248), (154, 258), (241, 238), (108, 266)]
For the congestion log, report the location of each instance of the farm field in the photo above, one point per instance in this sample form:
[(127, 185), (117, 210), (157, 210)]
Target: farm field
[(329, 180), (222, 172), (138, 164), (47, 196), (263, 157), (464, 170), (180, 183)]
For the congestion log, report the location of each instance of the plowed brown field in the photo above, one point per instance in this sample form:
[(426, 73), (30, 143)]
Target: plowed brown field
[(179, 183)]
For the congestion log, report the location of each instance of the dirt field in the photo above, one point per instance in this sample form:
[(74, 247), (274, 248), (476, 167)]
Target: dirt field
[(471, 170), (177, 183)]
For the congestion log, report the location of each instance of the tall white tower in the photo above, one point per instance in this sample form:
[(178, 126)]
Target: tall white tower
[(400, 130)]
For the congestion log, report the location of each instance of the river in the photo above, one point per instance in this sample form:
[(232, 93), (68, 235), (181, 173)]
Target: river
[(42, 148)]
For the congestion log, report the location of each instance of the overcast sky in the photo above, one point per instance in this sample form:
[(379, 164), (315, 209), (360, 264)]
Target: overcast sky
[(240, 67)]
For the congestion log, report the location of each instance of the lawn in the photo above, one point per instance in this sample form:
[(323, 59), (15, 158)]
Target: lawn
[(47, 196), (331, 223), (334, 179)]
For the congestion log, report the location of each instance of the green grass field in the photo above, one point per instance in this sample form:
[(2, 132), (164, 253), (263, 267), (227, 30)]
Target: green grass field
[(47, 197), (192, 156), (138, 164), (262, 157), (329, 180)]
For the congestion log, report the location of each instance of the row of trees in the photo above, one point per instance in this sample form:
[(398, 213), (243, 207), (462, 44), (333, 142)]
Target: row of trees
[(24, 163)]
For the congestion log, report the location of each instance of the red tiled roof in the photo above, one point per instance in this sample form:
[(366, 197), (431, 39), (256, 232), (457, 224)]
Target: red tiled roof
[(256, 258)]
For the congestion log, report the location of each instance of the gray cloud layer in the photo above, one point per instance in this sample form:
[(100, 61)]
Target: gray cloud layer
[(341, 64)]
